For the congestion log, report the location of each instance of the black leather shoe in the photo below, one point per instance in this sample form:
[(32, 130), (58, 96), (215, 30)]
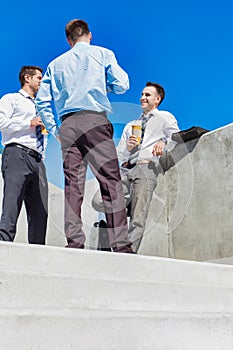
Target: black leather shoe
[(103, 243), (124, 249), (74, 245)]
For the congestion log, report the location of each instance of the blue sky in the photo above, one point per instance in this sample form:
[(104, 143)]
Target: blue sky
[(185, 46)]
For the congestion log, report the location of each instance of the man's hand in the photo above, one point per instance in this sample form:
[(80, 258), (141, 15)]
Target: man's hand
[(36, 121), (158, 148), (131, 143)]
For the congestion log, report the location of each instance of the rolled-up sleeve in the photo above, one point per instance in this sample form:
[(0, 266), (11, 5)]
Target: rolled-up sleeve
[(171, 127)]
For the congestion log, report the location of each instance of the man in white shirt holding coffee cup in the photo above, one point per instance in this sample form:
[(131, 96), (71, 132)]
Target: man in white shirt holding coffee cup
[(142, 142)]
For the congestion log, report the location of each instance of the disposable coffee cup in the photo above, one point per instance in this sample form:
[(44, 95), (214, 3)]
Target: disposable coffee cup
[(43, 130), (137, 132)]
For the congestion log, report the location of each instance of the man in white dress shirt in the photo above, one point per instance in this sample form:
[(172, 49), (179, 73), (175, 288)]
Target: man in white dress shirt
[(138, 161), (23, 170)]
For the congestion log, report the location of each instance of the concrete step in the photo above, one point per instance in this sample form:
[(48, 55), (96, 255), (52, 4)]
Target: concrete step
[(59, 298)]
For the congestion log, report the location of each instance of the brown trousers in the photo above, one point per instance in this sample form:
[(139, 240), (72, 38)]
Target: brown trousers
[(86, 139)]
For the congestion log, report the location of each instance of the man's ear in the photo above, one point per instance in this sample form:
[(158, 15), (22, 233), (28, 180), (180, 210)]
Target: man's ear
[(158, 99), (27, 78), (90, 36)]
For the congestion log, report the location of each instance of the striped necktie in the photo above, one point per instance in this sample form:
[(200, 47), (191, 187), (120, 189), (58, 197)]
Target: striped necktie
[(39, 135), (40, 139)]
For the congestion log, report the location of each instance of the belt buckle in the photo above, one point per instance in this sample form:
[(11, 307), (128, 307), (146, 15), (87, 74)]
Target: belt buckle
[(31, 152), (34, 154), (128, 165), (143, 161)]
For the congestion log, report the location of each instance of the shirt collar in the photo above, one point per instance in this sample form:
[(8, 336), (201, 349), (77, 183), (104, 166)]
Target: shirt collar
[(80, 43), (153, 111), (25, 94)]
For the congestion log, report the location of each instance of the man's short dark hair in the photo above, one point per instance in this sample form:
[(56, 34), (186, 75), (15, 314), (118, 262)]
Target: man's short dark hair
[(31, 70), (160, 90), (75, 29)]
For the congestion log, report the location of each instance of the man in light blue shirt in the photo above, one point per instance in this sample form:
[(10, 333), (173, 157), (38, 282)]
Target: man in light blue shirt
[(77, 83)]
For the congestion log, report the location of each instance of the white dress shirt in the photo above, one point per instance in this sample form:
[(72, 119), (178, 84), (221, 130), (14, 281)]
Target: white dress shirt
[(16, 112), (161, 125)]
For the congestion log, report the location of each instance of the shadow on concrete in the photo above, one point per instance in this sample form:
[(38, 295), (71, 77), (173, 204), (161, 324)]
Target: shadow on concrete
[(169, 159)]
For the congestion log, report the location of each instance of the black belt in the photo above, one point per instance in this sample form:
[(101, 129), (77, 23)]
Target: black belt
[(83, 111), (128, 165), (29, 151)]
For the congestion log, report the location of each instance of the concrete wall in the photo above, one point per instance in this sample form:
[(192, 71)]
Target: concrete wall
[(191, 214)]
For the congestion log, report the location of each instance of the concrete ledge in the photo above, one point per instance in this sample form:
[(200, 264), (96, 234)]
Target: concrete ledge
[(190, 216), (57, 298)]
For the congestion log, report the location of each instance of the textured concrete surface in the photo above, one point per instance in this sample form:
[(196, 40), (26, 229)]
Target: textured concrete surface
[(190, 216), (60, 298)]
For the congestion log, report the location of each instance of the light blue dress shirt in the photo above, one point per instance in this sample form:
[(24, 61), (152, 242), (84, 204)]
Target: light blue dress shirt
[(77, 80)]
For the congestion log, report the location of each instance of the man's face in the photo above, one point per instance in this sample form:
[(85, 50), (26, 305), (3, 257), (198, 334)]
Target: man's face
[(149, 99), (35, 80)]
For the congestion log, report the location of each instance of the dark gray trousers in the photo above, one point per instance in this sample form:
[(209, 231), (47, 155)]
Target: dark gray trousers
[(86, 139), (24, 181)]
